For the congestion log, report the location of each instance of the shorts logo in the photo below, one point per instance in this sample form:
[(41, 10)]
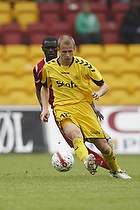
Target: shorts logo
[(65, 115), (95, 132), (71, 84)]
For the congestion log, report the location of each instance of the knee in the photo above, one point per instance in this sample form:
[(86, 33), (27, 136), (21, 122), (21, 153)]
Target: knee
[(106, 149), (77, 134)]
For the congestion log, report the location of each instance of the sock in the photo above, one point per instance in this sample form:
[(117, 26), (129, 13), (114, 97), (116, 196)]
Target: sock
[(111, 161), (80, 149)]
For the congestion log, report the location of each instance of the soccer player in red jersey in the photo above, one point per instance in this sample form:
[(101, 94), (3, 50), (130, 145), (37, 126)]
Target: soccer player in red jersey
[(49, 47)]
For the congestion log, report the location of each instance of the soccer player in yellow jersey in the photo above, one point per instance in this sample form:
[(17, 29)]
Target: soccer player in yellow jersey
[(70, 78)]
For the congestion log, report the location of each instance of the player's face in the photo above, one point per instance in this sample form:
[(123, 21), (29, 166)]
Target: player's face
[(66, 54), (50, 49)]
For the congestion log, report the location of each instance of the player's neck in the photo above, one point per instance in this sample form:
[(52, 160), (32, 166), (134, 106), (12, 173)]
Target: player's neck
[(65, 63)]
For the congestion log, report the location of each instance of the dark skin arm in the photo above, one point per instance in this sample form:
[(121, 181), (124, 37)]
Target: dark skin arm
[(39, 97), (98, 114)]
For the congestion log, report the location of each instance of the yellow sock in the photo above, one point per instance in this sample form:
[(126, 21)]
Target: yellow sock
[(111, 161), (80, 149)]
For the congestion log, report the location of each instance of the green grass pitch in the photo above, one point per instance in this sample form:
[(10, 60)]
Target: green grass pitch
[(29, 182)]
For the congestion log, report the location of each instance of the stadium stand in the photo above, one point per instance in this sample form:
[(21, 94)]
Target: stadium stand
[(16, 60), (2, 48), (115, 50), (11, 33), (50, 17), (120, 7), (95, 50), (118, 63), (26, 12), (71, 8), (35, 32), (5, 12), (60, 28), (99, 7), (15, 51), (48, 7), (134, 50), (35, 54)]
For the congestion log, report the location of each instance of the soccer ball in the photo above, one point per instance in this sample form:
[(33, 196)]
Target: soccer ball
[(62, 161)]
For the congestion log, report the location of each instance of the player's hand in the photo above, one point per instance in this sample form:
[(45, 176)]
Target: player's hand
[(96, 96), (44, 116), (99, 115), (97, 112)]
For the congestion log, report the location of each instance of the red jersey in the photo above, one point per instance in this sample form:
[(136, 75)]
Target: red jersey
[(37, 72)]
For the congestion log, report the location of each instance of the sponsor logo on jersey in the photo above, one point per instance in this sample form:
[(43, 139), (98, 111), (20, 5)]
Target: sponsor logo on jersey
[(61, 83)]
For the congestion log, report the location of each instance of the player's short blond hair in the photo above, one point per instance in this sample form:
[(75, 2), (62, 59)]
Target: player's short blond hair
[(66, 39)]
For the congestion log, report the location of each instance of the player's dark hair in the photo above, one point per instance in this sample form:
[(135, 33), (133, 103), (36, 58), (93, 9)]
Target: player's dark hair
[(49, 38)]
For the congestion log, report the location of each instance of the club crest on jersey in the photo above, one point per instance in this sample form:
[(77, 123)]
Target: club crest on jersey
[(61, 83)]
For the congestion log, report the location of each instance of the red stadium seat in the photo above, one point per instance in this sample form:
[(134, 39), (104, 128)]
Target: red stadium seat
[(72, 7), (119, 18), (36, 31), (10, 27), (13, 38), (36, 28), (12, 33), (102, 17), (111, 37), (110, 32), (107, 26), (50, 17), (99, 7), (48, 7), (37, 38), (61, 27), (120, 7)]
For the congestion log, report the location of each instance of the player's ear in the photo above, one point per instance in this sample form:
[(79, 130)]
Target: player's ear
[(42, 48)]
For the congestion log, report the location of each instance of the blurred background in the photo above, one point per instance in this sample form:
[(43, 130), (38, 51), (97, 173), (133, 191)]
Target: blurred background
[(23, 26)]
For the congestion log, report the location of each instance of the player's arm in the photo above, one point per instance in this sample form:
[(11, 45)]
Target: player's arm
[(39, 97), (44, 98), (38, 84), (97, 112), (96, 77), (103, 88)]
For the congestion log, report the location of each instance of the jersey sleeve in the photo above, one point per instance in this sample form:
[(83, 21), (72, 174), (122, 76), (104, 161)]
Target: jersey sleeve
[(95, 75), (37, 73), (45, 78)]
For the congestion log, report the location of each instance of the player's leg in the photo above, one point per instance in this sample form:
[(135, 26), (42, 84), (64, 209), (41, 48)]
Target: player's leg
[(107, 153), (99, 160), (110, 158), (71, 130), (101, 117), (74, 132), (110, 141)]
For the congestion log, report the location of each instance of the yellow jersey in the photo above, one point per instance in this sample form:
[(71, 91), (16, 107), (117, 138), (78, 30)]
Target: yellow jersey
[(70, 84)]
